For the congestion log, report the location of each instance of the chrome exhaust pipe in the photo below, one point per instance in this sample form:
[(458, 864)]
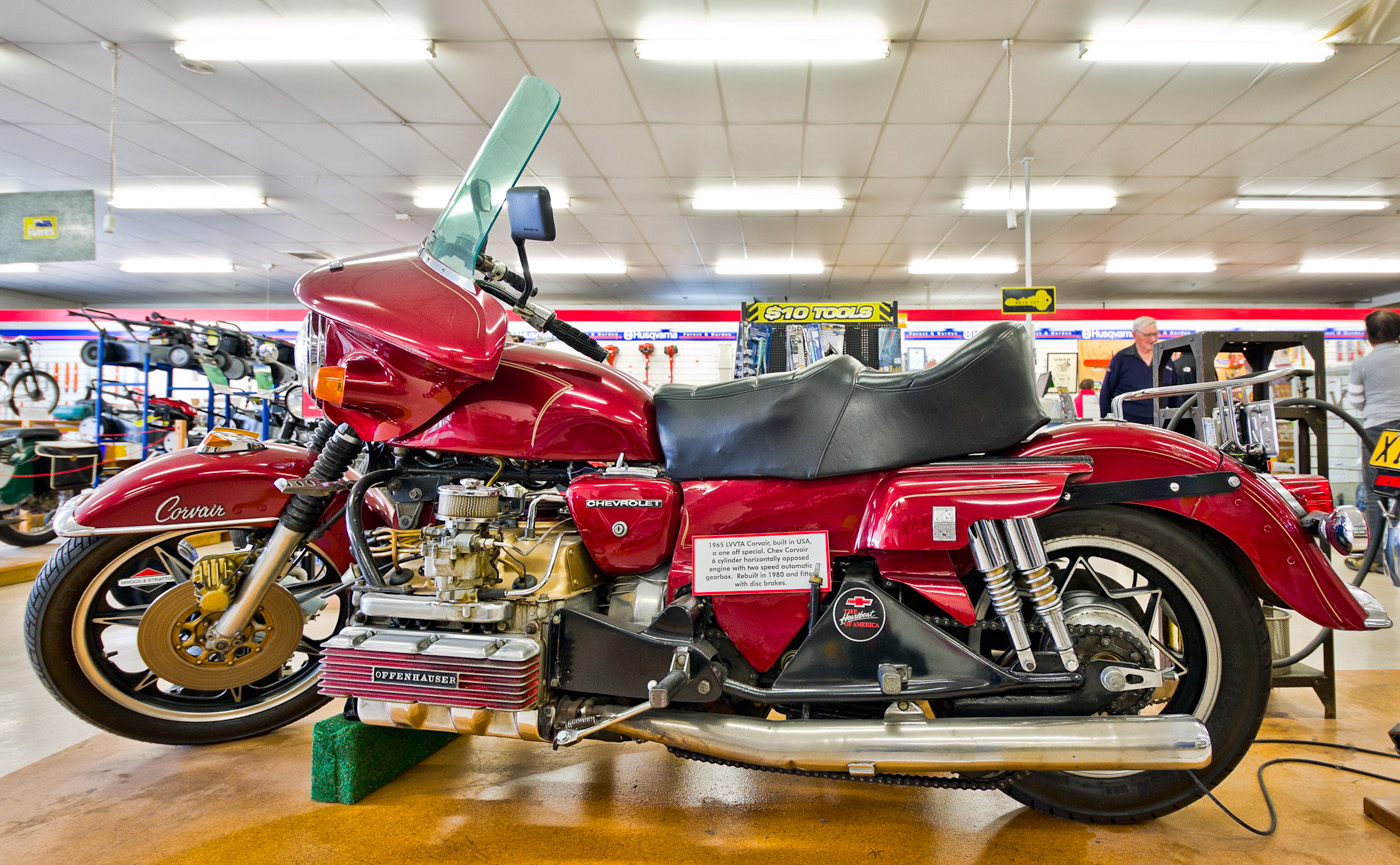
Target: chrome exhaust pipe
[(912, 744)]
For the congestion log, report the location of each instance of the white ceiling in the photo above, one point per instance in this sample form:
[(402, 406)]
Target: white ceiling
[(339, 149)]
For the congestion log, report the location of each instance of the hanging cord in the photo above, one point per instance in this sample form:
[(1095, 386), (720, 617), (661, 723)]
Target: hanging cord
[(1269, 800), (1010, 186), (109, 225)]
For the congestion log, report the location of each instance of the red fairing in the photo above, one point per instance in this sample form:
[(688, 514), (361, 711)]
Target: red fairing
[(647, 509), (1254, 517), (395, 296), (548, 405)]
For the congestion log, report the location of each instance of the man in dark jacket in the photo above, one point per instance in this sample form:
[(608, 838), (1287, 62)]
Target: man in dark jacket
[(1130, 370)]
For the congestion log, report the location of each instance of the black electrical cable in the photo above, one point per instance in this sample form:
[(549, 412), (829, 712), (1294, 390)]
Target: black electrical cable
[(1269, 800), (355, 524)]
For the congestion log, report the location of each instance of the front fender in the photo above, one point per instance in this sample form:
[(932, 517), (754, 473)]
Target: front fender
[(1253, 517), (189, 490)]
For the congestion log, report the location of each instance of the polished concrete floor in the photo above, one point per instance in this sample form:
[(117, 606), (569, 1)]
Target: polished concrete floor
[(73, 793)]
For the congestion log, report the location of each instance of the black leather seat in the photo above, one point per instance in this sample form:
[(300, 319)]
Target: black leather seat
[(38, 433), (836, 417)]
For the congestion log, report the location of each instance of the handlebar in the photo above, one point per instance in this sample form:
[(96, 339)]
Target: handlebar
[(540, 317)]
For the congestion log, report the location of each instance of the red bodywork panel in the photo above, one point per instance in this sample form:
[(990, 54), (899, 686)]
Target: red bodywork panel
[(426, 366), (1253, 517), (547, 405), (649, 509), (887, 515), (189, 488)]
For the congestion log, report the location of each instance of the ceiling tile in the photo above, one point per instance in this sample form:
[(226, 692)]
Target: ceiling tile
[(1043, 75), (418, 92), (762, 93), (1341, 152), (547, 19), (912, 150), (1110, 93), (1201, 149), (402, 148), (764, 151), (690, 151), (855, 92), (590, 81), (621, 150), (927, 92)]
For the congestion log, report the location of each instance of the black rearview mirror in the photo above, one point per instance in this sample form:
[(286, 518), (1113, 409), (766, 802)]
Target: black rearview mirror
[(531, 214)]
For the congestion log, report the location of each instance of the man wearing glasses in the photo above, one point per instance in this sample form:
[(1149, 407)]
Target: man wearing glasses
[(1130, 370)]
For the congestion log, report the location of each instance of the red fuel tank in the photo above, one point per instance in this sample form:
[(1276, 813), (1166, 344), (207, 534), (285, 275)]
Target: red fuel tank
[(628, 524)]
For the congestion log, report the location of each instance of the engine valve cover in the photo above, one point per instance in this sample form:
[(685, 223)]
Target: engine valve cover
[(466, 670)]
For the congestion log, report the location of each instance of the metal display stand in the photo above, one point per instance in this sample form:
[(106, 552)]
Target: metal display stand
[(1258, 348)]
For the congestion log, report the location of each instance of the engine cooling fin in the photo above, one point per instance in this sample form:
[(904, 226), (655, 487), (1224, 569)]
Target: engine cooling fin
[(997, 781)]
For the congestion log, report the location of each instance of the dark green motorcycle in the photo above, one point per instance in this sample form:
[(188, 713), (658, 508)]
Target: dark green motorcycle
[(37, 474)]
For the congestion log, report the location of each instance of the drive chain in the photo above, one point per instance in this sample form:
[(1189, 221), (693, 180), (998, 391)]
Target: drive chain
[(994, 782), (1120, 705)]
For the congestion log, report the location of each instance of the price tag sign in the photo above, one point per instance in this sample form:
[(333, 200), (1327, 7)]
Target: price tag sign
[(262, 374), (216, 377)]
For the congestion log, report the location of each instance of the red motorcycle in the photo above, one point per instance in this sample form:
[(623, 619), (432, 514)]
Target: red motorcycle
[(836, 572)]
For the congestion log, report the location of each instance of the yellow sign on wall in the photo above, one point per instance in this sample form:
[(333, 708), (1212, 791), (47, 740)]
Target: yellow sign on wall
[(40, 227), (820, 313), (1033, 299)]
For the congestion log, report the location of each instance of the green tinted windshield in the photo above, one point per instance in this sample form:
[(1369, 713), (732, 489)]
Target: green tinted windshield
[(461, 230)]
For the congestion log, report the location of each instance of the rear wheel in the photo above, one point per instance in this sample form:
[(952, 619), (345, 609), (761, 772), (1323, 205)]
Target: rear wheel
[(1201, 620), (114, 633), (30, 523)]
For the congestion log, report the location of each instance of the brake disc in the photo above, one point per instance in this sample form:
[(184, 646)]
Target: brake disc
[(171, 640)]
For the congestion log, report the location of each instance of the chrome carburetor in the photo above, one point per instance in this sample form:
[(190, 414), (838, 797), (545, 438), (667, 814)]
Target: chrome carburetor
[(459, 553)]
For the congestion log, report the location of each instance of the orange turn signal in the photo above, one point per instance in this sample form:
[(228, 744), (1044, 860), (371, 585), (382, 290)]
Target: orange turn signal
[(330, 384)]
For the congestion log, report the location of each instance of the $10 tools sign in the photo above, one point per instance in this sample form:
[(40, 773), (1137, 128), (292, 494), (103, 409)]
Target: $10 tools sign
[(738, 564), (821, 313)]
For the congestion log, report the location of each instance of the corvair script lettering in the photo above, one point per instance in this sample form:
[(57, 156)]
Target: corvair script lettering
[(623, 503), (170, 511), (858, 619)]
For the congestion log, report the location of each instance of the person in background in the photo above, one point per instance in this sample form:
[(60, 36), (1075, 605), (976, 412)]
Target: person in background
[(1130, 370), (1086, 388), (1374, 390)]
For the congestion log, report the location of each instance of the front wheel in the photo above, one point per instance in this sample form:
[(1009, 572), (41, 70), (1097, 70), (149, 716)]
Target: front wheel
[(30, 523), (1200, 618), (34, 389), (114, 632)]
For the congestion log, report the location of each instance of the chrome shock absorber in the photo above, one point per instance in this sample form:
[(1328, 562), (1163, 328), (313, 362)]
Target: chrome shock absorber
[(989, 555), (1035, 572)]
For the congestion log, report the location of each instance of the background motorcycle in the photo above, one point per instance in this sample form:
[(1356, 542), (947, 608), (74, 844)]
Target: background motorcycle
[(29, 387), (38, 473), (1073, 616)]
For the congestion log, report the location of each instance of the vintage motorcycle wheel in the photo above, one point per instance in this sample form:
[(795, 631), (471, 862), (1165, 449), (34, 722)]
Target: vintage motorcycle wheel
[(1199, 615), (34, 388), (113, 637), (34, 517)]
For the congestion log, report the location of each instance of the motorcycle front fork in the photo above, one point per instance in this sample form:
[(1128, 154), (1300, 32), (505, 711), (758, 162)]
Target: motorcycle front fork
[(336, 448), (989, 553)]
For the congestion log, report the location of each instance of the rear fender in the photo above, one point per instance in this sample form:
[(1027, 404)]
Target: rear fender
[(189, 490), (1254, 518)]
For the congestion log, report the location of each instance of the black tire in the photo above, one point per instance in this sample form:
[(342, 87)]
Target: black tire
[(88, 353), (1219, 627), (180, 356), (105, 681), (236, 369), (34, 388), (20, 536)]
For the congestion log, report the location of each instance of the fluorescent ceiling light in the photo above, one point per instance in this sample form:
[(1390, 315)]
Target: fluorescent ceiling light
[(1351, 265), (769, 267), (177, 265), (1284, 202), (585, 266), (307, 41), (22, 267), (1054, 198), (965, 265), (739, 40), (190, 198), (436, 198), (1173, 51), (768, 199), (1159, 265)]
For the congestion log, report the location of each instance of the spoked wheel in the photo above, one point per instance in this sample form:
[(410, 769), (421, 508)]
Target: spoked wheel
[(115, 632), (30, 523), (1199, 618), (34, 389)]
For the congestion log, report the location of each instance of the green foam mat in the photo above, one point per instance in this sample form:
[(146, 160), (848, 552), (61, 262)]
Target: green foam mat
[(350, 760)]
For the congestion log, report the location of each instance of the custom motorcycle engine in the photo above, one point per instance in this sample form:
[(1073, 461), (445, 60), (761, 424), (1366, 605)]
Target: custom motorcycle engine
[(459, 644)]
